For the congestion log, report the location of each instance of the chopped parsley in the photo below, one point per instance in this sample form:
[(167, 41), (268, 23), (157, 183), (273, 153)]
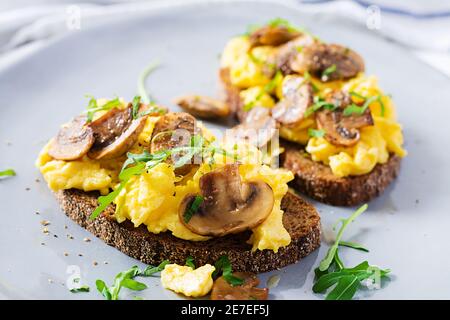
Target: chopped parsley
[(193, 208), (346, 281)]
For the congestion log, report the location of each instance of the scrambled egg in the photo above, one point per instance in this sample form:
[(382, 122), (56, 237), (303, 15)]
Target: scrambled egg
[(185, 280), (153, 198), (376, 142)]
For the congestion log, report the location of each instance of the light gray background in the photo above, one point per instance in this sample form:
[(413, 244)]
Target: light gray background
[(406, 229)]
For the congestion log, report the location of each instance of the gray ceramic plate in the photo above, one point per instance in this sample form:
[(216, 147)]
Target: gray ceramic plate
[(406, 229)]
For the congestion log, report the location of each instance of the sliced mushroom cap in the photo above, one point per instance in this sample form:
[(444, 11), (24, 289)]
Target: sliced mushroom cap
[(203, 107), (339, 129), (222, 290), (115, 133), (229, 205), (271, 36), (298, 96), (73, 141), (173, 130), (287, 53), (319, 59), (258, 127)]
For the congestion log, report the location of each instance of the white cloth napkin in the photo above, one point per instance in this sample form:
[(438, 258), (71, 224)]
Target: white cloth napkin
[(422, 26)]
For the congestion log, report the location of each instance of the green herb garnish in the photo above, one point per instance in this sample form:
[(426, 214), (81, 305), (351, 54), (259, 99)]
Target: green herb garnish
[(146, 161), (135, 106), (193, 208), (7, 173), (359, 110), (190, 262), (331, 69), (223, 265), (83, 288), (93, 107), (318, 104), (332, 272), (151, 270), (141, 82), (267, 89), (316, 133), (124, 176), (353, 245), (122, 279)]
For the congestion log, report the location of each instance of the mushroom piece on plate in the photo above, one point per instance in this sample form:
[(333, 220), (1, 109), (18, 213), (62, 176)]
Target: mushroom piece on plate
[(328, 62), (228, 205), (115, 133), (222, 290), (73, 141), (203, 107)]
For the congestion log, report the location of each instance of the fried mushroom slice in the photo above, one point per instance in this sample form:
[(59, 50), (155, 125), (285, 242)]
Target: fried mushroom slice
[(258, 127), (328, 62), (271, 36), (222, 290), (229, 205), (73, 141), (340, 129), (173, 130), (115, 133), (298, 95), (203, 107), (287, 53)]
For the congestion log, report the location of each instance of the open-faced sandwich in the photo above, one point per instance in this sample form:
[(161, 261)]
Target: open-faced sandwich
[(158, 186), (341, 137)]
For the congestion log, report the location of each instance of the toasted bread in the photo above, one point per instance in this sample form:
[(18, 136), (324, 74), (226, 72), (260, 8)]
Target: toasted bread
[(315, 179), (300, 219), (318, 182)]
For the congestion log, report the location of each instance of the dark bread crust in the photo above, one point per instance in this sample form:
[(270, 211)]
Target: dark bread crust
[(315, 179), (318, 182), (300, 219)]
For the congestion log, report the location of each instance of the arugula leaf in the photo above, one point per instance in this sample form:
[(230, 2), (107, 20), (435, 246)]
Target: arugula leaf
[(353, 245), (359, 110), (103, 289), (316, 133), (327, 280), (93, 108), (193, 208), (83, 288), (141, 82), (121, 280), (345, 289), (124, 176), (329, 70), (135, 106), (325, 263), (223, 265), (267, 89), (151, 270), (7, 173), (319, 103), (133, 284), (190, 262)]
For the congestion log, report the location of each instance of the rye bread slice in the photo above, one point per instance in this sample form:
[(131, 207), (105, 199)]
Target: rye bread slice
[(315, 179), (318, 182), (300, 219)]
